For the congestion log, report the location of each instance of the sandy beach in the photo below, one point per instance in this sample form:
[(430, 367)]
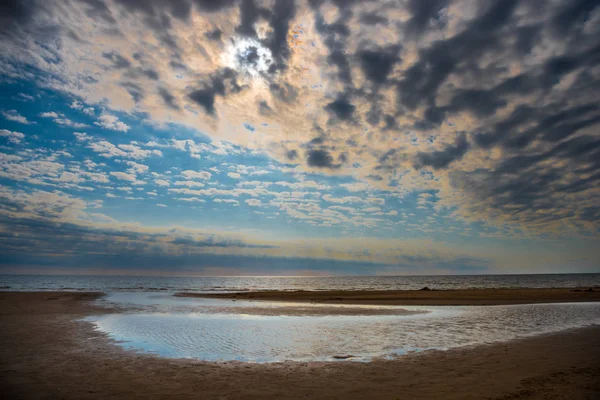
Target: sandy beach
[(419, 297), (47, 352)]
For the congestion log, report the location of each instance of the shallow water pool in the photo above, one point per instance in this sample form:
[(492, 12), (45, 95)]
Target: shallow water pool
[(225, 330)]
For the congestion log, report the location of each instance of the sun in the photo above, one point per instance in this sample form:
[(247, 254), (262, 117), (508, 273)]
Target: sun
[(247, 56)]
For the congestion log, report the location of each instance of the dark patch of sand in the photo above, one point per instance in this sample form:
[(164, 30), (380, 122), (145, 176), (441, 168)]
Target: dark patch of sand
[(419, 297)]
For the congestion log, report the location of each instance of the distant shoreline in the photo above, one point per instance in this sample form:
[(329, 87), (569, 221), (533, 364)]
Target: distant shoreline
[(422, 297)]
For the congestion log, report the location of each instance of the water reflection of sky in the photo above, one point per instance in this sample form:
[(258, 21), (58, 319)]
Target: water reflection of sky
[(211, 329)]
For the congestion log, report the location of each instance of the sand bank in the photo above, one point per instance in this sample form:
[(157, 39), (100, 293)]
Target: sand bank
[(419, 297), (47, 352)]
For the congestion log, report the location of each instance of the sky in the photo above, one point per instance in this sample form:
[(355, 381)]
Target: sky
[(306, 137)]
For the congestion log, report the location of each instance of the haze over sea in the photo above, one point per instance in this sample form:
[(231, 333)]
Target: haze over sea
[(288, 283)]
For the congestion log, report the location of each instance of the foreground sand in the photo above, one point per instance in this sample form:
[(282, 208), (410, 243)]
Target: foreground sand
[(419, 297), (46, 353)]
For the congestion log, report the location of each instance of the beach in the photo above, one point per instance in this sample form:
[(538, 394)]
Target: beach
[(419, 297), (48, 352)]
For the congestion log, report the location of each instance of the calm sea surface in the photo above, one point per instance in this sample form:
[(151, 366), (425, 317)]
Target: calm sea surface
[(226, 284)]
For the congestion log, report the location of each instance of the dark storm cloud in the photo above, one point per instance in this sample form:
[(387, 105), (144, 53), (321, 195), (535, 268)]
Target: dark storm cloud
[(335, 36), (15, 15), (481, 103), (571, 13), (118, 60), (423, 79), (378, 63), (150, 73), (341, 108), (523, 192), (443, 158), (291, 155), (527, 38), (549, 149), (215, 34), (282, 14), (213, 5), (135, 90), (99, 9), (154, 8), (372, 19), (168, 98), (220, 84), (320, 158), (249, 15), (551, 123), (284, 92), (423, 12)]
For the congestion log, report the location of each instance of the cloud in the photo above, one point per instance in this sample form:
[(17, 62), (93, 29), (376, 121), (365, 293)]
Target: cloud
[(204, 175), (111, 122), (441, 159), (82, 136), (470, 100), (61, 120), (76, 105), (13, 115), (341, 108), (12, 136), (109, 150), (253, 202), (124, 176), (189, 183), (321, 158), (25, 97)]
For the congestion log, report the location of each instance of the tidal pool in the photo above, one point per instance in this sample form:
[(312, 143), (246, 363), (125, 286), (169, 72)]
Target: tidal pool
[(225, 330)]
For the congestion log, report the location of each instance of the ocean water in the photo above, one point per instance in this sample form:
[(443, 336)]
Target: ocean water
[(226, 284), (225, 330)]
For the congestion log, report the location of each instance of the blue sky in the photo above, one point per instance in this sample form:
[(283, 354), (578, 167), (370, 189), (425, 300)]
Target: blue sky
[(245, 155)]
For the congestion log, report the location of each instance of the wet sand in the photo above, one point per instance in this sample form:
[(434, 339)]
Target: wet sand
[(419, 297), (47, 353)]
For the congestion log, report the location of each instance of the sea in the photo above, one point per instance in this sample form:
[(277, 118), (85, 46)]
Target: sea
[(105, 283)]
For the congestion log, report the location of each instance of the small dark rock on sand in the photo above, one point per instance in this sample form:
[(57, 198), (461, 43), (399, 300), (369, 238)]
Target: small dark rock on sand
[(342, 357)]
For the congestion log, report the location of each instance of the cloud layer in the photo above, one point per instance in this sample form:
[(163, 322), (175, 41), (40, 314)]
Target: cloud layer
[(489, 107)]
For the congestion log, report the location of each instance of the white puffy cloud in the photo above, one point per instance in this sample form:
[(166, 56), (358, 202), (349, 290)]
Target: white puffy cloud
[(12, 136), (161, 182), (76, 105), (189, 183), (253, 202), (124, 176), (204, 175), (60, 119), (13, 115), (111, 122)]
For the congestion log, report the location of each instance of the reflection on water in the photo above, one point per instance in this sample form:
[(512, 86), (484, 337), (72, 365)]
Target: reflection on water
[(209, 329)]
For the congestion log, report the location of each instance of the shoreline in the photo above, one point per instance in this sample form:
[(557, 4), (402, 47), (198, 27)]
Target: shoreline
[(453, 297), (48, 351)]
